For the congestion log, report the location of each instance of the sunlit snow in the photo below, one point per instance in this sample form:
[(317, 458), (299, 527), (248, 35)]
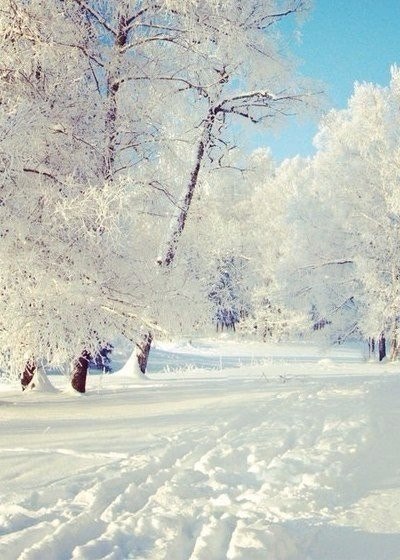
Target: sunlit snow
[(295, 455)]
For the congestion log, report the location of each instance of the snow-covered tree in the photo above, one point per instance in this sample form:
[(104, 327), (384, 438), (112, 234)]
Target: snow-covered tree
[(68, 218), (228, 305), (245, 208), (347, 215), (109, 113), (270, 317)]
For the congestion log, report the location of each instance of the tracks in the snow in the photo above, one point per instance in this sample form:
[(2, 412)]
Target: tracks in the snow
[(221, 489)]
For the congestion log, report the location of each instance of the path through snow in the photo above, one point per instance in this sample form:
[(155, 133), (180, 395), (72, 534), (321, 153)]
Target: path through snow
[(272, 462)]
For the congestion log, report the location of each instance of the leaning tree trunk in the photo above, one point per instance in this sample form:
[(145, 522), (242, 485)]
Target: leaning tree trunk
[(79, 372), (178, 225), (179, 221), (28, 373)]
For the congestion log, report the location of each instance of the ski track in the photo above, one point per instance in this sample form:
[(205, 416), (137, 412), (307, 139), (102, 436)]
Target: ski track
[(230, 488)]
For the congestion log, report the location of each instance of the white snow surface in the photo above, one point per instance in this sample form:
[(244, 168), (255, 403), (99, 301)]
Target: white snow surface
[(294, 455)]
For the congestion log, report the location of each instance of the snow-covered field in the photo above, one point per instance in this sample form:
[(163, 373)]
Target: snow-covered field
[(294, 455)]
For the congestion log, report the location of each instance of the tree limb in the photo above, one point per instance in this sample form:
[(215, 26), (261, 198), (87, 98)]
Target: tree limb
[(96, 15)]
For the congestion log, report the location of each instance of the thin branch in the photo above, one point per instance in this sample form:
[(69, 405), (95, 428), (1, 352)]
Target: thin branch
[(163, 27), (133, 18), (131, 316), (96, 15), (78, 139), (345, 303), (95, 78), (157, 185), (220, 167), (243, 114), (43, 173), (146, 40), (344, 337), (81, 48), (201, 89), (261, 25), (329, 263)]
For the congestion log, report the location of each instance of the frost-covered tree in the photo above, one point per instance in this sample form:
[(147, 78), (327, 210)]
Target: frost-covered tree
[(317, 273), (229, 305), (237, 70), (347, 216), (245, 208), (70, 249), (265, 241), (110, 111), (247, 78), (54, 220)]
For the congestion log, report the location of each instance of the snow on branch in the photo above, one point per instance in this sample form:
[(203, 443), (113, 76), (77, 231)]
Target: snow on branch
[(96, 16), (241, 104), (146, 40), (329, 263), (269, 19)]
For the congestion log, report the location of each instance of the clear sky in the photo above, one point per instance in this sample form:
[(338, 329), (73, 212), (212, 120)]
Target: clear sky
[(343, 41)]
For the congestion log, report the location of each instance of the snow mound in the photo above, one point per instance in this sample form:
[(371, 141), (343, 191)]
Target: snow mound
[(131, 370), (40, 383)]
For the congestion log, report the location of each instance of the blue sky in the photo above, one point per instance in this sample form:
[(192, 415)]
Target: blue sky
[(343, 41)]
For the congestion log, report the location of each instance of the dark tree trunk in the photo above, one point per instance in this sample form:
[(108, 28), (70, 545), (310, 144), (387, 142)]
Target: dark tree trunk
[(382, 347), (79, 372), (27, 374), (113, 86), (166, 260), (187, 196), (143, 351), (371, 347)]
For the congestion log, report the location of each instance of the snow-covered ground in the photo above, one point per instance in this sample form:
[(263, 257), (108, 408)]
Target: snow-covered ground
[(295, 455)]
